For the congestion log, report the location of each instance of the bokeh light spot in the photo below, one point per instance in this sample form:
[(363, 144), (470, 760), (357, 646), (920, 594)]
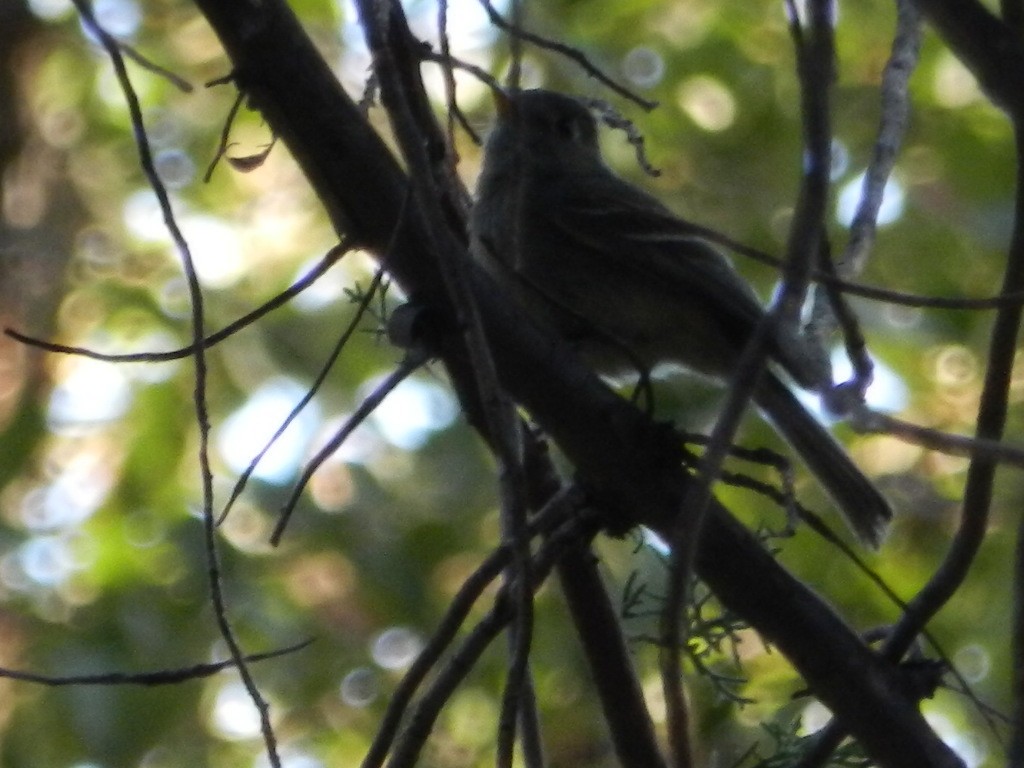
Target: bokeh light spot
[(413, 412), (396, 647), (643, 67), (887, 391), (175, 168), (51, 10), (216, 250), (73, 495), (332, 487), (93, 394), (840, 160), (955, 366), (359, 687), (707, 102), (891, 209), (248, 429), (974, 662), (121, 18), (234, 717), (967, 745), (954, 86), (46, 560), (142, 216), (328, 289)]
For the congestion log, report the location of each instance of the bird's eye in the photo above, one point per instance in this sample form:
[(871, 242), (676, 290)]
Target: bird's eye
[(567, 128)]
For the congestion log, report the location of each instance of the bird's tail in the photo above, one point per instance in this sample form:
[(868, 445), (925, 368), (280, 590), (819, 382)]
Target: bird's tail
[(862, 504)]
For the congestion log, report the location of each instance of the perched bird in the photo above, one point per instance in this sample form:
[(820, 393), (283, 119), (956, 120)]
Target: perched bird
[(631, 284)]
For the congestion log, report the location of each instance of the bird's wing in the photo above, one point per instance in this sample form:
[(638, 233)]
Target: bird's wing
[(603, 223), (599, 222)]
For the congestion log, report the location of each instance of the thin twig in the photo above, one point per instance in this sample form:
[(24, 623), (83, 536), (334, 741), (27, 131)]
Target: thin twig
[(333, 255), (518, 579), (413, 360), (552, 516), (159, 677), (815, 63), (225, 136), (993, 451), (397, 68), (515, 46), (410, 745), (199, 393), (685, 538), (615, 120), (464, 658), (895, 117), (599, 630), (458, 609), (308, 395), (827, 740), (873, 293), (454, 62), (518, 703), (573, 54), (1009, 299), (448, 73), (177, 81), (991, 423), (849, 395)]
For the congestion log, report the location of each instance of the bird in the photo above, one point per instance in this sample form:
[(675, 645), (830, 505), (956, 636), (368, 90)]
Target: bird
[(632, 285)]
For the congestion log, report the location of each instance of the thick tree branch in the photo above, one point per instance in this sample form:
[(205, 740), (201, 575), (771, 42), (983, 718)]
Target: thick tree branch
[(631, 466), (988, 47), (597, 626)]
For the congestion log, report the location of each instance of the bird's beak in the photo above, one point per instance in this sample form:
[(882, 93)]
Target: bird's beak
[(503, 104)]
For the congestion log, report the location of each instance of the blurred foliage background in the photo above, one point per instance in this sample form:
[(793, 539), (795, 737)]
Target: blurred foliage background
[(101, 552)]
